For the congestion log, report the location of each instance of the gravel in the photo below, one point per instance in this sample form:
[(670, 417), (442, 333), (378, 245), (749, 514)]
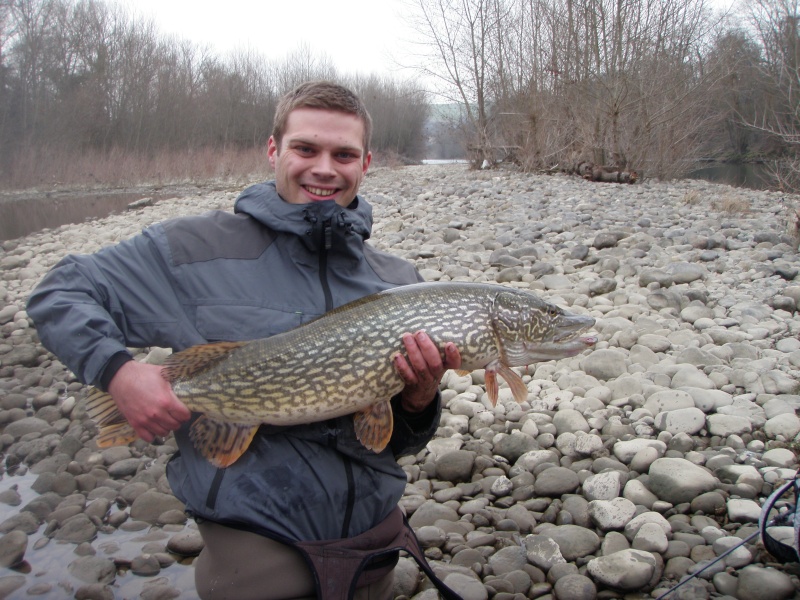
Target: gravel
[(626, 469)]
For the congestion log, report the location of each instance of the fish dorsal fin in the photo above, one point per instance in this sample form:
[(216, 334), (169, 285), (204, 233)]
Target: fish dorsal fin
[(101, 408), (374, 425), (189, 362), (114, 429), (221, 442), (116, 434)]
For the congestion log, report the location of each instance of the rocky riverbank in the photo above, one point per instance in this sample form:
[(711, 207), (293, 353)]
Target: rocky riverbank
[(628, 467)]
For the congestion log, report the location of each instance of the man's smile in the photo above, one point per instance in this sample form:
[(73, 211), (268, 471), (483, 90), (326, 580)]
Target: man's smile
[(319, 191)]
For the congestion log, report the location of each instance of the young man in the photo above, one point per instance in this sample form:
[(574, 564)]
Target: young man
[(294, 249)]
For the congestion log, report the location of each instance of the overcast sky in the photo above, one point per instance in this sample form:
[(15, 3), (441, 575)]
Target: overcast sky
[(363, 36)]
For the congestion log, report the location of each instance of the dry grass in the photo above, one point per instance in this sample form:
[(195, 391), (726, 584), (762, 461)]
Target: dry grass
[(691, 198), (61, 168), (731, 205)]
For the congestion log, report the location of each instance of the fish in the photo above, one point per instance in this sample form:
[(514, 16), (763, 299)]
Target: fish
[(343, 363)]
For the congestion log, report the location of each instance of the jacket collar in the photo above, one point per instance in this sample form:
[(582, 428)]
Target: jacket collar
[(318, 224)]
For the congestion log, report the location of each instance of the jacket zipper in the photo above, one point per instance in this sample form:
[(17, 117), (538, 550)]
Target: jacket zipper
[(327, 242)]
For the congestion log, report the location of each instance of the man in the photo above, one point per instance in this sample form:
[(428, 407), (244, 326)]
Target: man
[(294, 249)]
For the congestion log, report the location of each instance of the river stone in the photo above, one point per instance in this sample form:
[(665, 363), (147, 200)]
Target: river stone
[(511, 447), (508, 559), (455, 466), (556, 481), (77, 529), (9, 584), (27, 425), (145, 565), (612, 514), (676, 480), (786, 425), (94, 591), (725, 425), (150, 505), (188, 542), (12, 548), (602, 486), (683, 420), (604, 364), (779, 457), (575, 587), (626, 450), (430, 512), (573, 541), (650, 538), (759, 583), (93, 569), (543, 551), (626, 570), (668, 400), (467, 587)]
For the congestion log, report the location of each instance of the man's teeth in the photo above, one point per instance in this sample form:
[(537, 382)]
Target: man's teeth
[(320, 191)]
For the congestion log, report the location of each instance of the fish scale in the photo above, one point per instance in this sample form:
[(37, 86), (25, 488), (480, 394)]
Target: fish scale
[(342, 362)]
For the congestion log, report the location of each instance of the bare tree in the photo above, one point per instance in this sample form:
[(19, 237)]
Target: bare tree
[(776, 24)]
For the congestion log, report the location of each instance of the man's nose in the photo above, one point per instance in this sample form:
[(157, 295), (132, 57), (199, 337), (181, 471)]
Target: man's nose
[(324, 165)]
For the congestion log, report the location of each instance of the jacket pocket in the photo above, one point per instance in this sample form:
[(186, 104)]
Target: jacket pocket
[(237, 322)]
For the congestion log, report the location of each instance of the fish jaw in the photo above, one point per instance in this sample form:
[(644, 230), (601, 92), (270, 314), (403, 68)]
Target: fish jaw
[(569, 325)]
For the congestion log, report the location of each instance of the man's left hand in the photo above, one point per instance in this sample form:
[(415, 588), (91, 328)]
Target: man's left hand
[(423, 368)]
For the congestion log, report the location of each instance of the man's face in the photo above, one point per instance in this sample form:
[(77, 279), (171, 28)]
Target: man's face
[(321, 157)]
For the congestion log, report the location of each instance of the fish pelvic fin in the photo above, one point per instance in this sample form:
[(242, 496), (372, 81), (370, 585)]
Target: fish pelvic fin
[(490, 379), (189, 362), (514, 381), (221, 442), (374, 426)]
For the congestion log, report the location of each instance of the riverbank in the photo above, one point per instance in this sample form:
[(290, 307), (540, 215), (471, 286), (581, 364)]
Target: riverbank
[(627, 467)]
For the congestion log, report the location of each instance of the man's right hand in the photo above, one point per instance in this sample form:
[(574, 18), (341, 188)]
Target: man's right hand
[(146, 400)]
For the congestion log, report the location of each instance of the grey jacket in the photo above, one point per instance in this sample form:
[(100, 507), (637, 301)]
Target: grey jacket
[(221, 276)]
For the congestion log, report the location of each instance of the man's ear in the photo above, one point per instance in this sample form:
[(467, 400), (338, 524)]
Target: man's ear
[(272, 151)]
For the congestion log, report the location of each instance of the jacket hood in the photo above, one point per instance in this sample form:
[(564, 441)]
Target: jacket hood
[(262, 202)]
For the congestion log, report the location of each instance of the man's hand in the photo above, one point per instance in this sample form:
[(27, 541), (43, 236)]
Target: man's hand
[(423, 370), (146, 400)]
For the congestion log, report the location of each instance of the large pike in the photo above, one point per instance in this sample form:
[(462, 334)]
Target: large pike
[(341, 363)]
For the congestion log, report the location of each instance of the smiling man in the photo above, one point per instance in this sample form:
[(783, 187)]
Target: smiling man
[(293, 249)]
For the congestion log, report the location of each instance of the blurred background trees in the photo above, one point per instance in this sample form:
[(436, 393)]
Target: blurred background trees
[(648, 85)]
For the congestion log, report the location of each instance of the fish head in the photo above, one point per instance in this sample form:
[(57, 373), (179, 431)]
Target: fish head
[(528, 329)]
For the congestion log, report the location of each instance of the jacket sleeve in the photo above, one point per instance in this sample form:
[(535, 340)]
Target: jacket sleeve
[(90, 308), (413, 430)]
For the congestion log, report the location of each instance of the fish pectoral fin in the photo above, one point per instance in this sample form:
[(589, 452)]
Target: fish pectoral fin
[(514, 381), (116, 434), (374, 426), (221, 442), (189, 362)]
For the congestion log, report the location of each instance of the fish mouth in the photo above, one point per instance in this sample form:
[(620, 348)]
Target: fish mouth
[(570, 326), (556, 350)]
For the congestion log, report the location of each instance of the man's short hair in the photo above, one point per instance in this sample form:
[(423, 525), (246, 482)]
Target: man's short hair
[(323, 95)]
